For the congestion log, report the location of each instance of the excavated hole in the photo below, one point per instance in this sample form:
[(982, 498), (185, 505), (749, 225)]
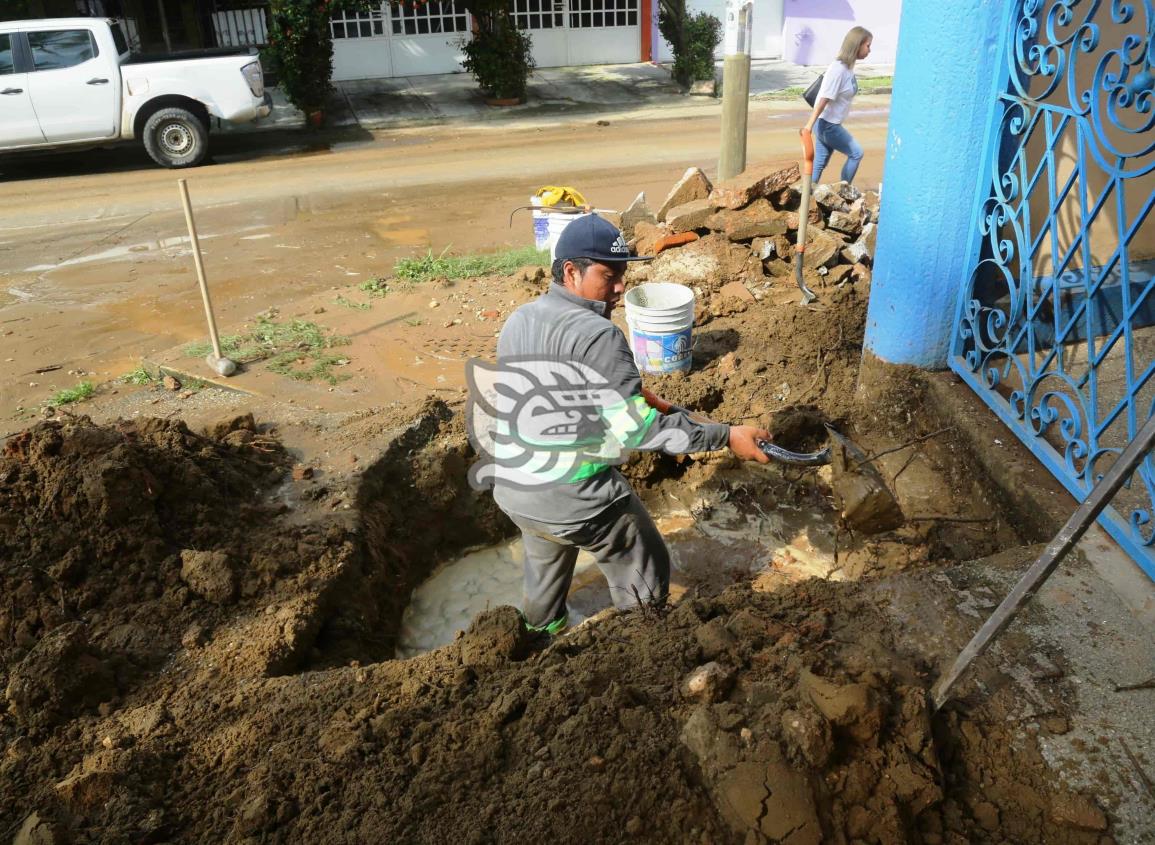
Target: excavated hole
[(436, 553)]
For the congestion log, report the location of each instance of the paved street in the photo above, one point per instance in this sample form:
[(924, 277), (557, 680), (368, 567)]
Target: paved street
[(93, 247)]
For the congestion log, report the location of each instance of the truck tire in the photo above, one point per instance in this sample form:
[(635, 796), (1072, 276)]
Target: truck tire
[(176, 138)]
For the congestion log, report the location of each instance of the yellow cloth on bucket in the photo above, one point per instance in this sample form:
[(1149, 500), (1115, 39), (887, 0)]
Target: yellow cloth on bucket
[(553, 195)]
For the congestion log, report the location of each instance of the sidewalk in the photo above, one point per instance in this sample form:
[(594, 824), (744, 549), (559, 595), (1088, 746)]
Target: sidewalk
[(553, 92)]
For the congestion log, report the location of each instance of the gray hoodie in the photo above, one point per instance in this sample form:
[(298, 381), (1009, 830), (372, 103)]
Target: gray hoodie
[(562, 326)]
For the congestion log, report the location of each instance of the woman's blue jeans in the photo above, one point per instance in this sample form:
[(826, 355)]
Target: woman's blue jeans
[(829, 137)]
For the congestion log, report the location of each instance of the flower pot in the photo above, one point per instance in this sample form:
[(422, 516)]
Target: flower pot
[(504, 101)]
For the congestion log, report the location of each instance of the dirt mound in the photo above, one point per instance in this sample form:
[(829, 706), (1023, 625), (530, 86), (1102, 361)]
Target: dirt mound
[(779, 717)]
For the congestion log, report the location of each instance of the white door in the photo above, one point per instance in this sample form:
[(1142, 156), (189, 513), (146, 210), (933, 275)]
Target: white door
[(18, 124), (75, 89), (544, 20), (361, 45), (603, 32), (426, 37)]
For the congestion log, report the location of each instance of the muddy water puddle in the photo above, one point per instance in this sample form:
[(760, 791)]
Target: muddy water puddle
[(709, 551)]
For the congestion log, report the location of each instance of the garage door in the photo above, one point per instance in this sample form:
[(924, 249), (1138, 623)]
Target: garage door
[(580, 32), (410, 40)]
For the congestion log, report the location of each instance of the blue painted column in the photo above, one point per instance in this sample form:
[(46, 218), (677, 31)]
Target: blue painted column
[(947, 64)]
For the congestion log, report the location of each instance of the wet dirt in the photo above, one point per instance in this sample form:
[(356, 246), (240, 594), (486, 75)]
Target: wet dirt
[(197, 636), (175, 709)]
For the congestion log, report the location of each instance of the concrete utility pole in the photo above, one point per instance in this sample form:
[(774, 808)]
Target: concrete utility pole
[(735, 86)]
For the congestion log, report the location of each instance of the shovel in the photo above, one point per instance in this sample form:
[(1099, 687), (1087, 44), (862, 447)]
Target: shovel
[(808, 295), (867, 504)]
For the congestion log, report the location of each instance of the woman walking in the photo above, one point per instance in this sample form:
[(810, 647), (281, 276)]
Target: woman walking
[(833, 103)]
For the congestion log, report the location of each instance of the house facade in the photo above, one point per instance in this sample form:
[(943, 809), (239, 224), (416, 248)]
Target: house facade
[(415, 39)]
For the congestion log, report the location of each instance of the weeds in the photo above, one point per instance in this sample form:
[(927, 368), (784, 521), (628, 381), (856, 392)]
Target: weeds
[(297, 349), (356, 306), (139, 376), (865, 86), (444, 266), (376, 286), (82, 391), (414, 322)]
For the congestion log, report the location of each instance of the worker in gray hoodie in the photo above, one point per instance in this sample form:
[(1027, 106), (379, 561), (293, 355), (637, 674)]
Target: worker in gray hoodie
[(563, 406)]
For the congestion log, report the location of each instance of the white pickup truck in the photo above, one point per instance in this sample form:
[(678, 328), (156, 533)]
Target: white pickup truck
[(72, 82)]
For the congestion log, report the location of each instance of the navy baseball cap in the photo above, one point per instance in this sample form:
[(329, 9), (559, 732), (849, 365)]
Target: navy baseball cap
[(593, 237)]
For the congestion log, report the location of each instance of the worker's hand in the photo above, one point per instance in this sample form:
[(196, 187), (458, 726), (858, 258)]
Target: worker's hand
[(655, 401), (744, 442)]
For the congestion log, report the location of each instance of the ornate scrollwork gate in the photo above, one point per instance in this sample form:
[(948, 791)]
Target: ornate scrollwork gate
[(1056, 323)]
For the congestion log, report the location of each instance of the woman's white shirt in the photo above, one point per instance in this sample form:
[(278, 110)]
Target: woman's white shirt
[(839, 86)]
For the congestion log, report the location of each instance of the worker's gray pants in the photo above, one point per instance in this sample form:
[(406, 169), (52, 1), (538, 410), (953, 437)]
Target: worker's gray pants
[(623, 539)]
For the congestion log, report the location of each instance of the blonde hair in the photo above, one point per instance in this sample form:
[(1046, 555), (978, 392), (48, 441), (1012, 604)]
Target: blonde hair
[(852, 43)]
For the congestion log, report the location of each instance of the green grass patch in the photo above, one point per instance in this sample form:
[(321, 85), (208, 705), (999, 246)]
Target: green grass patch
[(298, 349), (865, 86), (355, 306), (426, 267), (82, 391), (139, 376), (379, 287)]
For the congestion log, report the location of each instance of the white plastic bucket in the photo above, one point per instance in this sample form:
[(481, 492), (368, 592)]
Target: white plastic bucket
[(557, 223), (660, 316), (540, 224)]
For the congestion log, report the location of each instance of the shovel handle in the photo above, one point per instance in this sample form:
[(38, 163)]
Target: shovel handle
[(807, 151)]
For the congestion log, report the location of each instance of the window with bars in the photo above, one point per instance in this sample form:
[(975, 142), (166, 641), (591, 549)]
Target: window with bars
[(432, 18), (358, 24), (538, 14), (592, 14)]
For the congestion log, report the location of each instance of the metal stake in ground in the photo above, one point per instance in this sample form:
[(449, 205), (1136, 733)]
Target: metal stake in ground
[(1049, 560), (219, 363)]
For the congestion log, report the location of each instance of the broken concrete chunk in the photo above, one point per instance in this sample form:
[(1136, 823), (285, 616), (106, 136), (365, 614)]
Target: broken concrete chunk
[(690, 216), (209, 574), (754, 183), (828, 197), (870, 204), (845, 221), (694, 185), (757, 220), (637, 212), (710, 682), (822, 249), (736, 290), (848, 192), (646, 235), (763, 248)]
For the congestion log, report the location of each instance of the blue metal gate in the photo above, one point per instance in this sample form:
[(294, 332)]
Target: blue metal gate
[(1055, 327)]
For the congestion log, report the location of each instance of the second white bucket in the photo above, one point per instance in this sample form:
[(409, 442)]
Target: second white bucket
[(660, 316), (540, 224), (557, 223)]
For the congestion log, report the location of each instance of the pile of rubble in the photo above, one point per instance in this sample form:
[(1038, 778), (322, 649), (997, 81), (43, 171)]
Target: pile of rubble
[(745, 229)]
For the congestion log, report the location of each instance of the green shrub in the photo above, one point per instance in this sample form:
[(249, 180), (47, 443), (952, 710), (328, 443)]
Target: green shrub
[(693, 39), (301, 49), (500, 57)]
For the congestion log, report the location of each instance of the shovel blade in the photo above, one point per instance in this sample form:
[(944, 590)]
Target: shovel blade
[(867, 503)]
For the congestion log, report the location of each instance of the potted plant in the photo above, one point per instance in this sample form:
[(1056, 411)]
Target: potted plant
[(500, 56)]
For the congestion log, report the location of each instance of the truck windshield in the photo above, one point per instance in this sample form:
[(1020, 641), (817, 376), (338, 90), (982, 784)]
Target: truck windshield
[(118, 38)]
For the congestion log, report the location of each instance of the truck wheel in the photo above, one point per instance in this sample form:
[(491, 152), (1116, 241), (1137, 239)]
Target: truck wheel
[(176, 138)]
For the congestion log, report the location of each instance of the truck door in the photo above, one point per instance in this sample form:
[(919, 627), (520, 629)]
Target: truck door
[(18, 124), (75, 87)]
